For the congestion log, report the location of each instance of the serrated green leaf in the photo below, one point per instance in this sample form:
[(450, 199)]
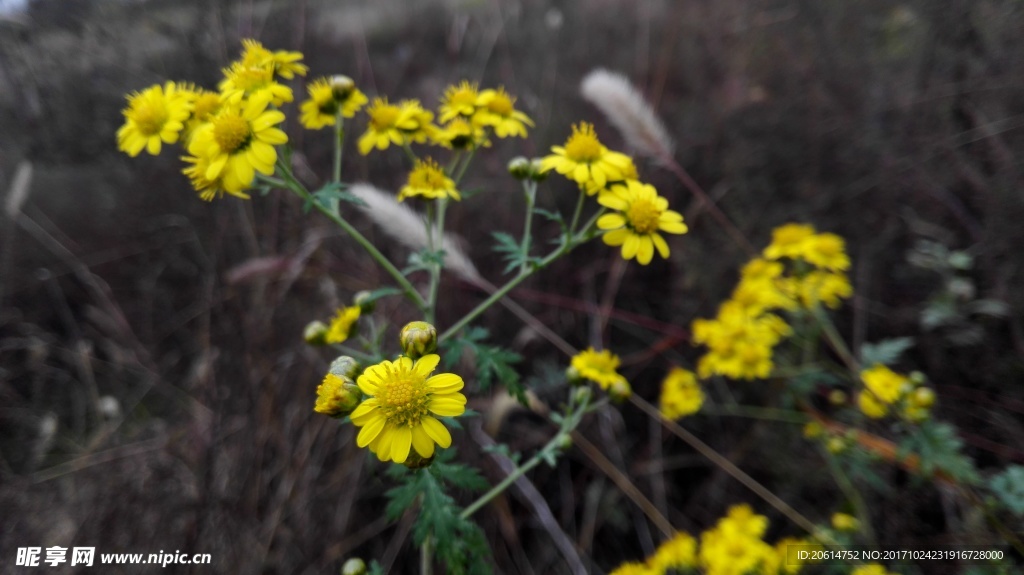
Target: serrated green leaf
[(493, 363), (938, 447), (1008, 487), (885, 352), (381, 293)]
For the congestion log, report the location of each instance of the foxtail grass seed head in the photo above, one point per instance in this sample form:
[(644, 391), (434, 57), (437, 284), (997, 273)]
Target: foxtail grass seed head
[(337, 396), (354, 566), (344, 366), (315, 333), (519, 168), (627, 110), (418, 338)]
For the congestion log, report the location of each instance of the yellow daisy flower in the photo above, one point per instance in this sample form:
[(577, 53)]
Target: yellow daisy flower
[(238, 141), (285, 64), (208, 189), (460, 134), (329, 98), (428, 180), (584, 160), (460, 100), (153, 117), (598, 366), (395, 124), (496, 108), (404, 399), (678, 552), (343, 324), (204, 105), (242, 81), (789, 241), (827, 251), (680, 394), (643, 213), (633, 568)]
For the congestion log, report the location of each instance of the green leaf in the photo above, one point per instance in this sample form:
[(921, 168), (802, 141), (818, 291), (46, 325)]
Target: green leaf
[(381, 293), (503, 449), (1008, 486), (332, 191), (990, 307), (513, 252), (885, 352), (939, 448), (424, 260), (493, 363)]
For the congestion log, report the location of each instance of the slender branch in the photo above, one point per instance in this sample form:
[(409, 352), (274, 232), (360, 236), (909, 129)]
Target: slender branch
[(530, 189), (437, 247), (339, 146)]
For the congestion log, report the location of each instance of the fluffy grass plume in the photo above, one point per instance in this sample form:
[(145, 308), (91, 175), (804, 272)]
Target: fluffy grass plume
[(403, 224), (627, 110)]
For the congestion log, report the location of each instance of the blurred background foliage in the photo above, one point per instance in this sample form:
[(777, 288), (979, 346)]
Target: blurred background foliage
[(155, 393)]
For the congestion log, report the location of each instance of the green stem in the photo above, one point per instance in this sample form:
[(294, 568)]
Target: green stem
[(565, 248), (462, 169), (339, 146), (426, 557), (409, 153), (576, 213), (300, 190), (851, 492), (530, 188), (837, 342), (435, 270)]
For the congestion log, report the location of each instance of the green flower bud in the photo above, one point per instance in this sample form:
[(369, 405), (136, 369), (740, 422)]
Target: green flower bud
[(837, 397), (354, 566), (344, 366), (917, 377), (923, 397), (620, 391), (813, 430), (565, 442), (316, 333), (416, 461), (537, 172), (836, 445), (582, 395), (364, 301), (519, 168), (418, 338), (337, 396)]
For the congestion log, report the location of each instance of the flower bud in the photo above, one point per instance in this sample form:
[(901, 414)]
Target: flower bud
[(537, 172), (341, 87), (565, 442), (837, 397), (923, 397), (845, 522), (365, 301), (354, 566), (582, 395), (813, 430), (337, 396), (315, 333), (417, 461), (573, 376), (344, 366), (836, 445), (519, 168), (418, 338), (619, 391), (917, 377)]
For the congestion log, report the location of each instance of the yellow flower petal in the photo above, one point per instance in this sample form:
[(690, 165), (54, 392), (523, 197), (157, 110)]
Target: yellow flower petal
[(370, 431), (400, 444), (437, 431), (446, 407), (422, 442)]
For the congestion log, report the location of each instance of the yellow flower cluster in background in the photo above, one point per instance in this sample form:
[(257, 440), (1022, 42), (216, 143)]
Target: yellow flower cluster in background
[(734, 546), (800, 269), (600, 367), (329, 99), (640, 214), (681, 394), (884, 388)]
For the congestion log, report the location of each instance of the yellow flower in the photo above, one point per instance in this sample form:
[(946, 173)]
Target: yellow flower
[(395, 124), (404, 399), (342, 325), (598, 366), (428, 180), (497, 109), (759, 287), (285, 64), (584, 160), (789, 241), (679, 553), (460, 134), (329, 98), (241, 81), (204, 105), (207, 188), (820, 287), (633, 568), (336, 396), (870, 406), (458, 101), (884, 383), (827, 251), (740, 342), (153, 117), (845, 522), (238, 141), (734, 545), (642, 214), (680, 394)]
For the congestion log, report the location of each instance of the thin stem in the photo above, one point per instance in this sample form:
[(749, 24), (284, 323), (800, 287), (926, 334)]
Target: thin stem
[(438, 248), (339, 146), (837, 342), (409, 153), (300, 190), (457, 178), (427, 556), (530, 188), (851, 492), (576, 213)]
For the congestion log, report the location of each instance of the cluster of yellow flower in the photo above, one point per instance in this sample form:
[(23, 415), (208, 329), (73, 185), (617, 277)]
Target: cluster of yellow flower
[(734, 546), (681, 394), (641, 212), (396, 403), (799, 269), (600, 367), (884, 388), (229, 135)]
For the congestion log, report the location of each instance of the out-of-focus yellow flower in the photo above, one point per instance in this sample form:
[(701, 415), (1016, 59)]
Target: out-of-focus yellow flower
[(496, 108), (789, 241), (680, 394), (461, 134), (679, 552), (642, 214), (153, 117), (428, 180), (328, 99), (284, 63), (598, 366), (343, 324), (740, 342), (395, 124), (241, 81), (204, 105), (845, 522), (871, 569), (459, 101)]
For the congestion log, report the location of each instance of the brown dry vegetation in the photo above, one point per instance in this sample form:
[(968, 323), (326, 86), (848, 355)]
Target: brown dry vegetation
[(155, 393)]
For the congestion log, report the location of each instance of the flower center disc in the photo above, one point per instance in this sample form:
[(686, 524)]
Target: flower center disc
[(403, 398), (583, 145), (150, 117), (643, 216), (231, 132), (501, 105), (383, 117)]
